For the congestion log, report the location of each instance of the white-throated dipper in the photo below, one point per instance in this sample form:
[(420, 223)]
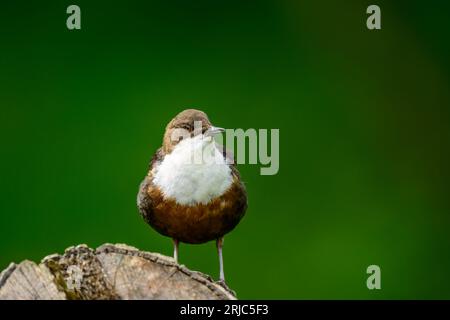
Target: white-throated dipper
[(191, 192)]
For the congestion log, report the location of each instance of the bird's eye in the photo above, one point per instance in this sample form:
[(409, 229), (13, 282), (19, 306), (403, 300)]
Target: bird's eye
[(185, 127)]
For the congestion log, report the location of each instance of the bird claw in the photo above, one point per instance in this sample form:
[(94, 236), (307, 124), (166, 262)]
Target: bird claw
[(225, 286)]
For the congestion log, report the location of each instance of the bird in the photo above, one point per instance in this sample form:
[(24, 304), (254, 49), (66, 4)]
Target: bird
[(190, 201)]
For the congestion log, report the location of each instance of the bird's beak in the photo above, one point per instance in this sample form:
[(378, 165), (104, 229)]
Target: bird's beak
[(213, 131)]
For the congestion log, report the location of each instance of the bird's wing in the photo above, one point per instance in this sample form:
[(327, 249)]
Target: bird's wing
[(242, 192), (156, 159), (144, 201)]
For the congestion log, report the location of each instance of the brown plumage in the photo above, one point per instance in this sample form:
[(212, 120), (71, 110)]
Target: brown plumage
[(190, 223)]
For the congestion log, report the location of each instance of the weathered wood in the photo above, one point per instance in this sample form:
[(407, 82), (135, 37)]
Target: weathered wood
[(108, 272), (28, 281)]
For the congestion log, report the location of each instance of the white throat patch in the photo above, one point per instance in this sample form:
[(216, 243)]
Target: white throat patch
[(194, 172)]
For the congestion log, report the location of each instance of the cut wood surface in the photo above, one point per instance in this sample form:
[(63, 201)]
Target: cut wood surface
[(108, 272)]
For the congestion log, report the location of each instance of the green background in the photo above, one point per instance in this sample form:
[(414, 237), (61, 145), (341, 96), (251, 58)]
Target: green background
[(364, 135)]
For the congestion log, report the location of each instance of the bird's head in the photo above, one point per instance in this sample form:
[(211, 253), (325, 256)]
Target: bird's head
[(187, 124)]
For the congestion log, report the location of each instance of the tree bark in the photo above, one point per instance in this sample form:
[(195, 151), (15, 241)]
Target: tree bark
[(108, 272)]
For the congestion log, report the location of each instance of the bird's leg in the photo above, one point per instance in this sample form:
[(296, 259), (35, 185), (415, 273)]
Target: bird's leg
[(219, 244), (175, 249)]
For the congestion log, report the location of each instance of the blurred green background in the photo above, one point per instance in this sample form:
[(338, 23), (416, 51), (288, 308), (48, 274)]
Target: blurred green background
[(364, 135)]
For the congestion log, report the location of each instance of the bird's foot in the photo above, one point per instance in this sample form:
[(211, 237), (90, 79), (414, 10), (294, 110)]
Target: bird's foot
[(225, 286)]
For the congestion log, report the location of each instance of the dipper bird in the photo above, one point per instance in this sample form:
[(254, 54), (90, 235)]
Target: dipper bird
[(191, 192)]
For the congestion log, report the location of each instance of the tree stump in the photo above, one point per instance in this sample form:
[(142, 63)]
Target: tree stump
[(108, 272)]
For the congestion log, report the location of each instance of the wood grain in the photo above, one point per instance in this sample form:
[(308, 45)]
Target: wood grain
[(107, 273)]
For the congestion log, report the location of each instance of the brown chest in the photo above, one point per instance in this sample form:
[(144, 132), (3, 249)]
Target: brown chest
[(195, 223)]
